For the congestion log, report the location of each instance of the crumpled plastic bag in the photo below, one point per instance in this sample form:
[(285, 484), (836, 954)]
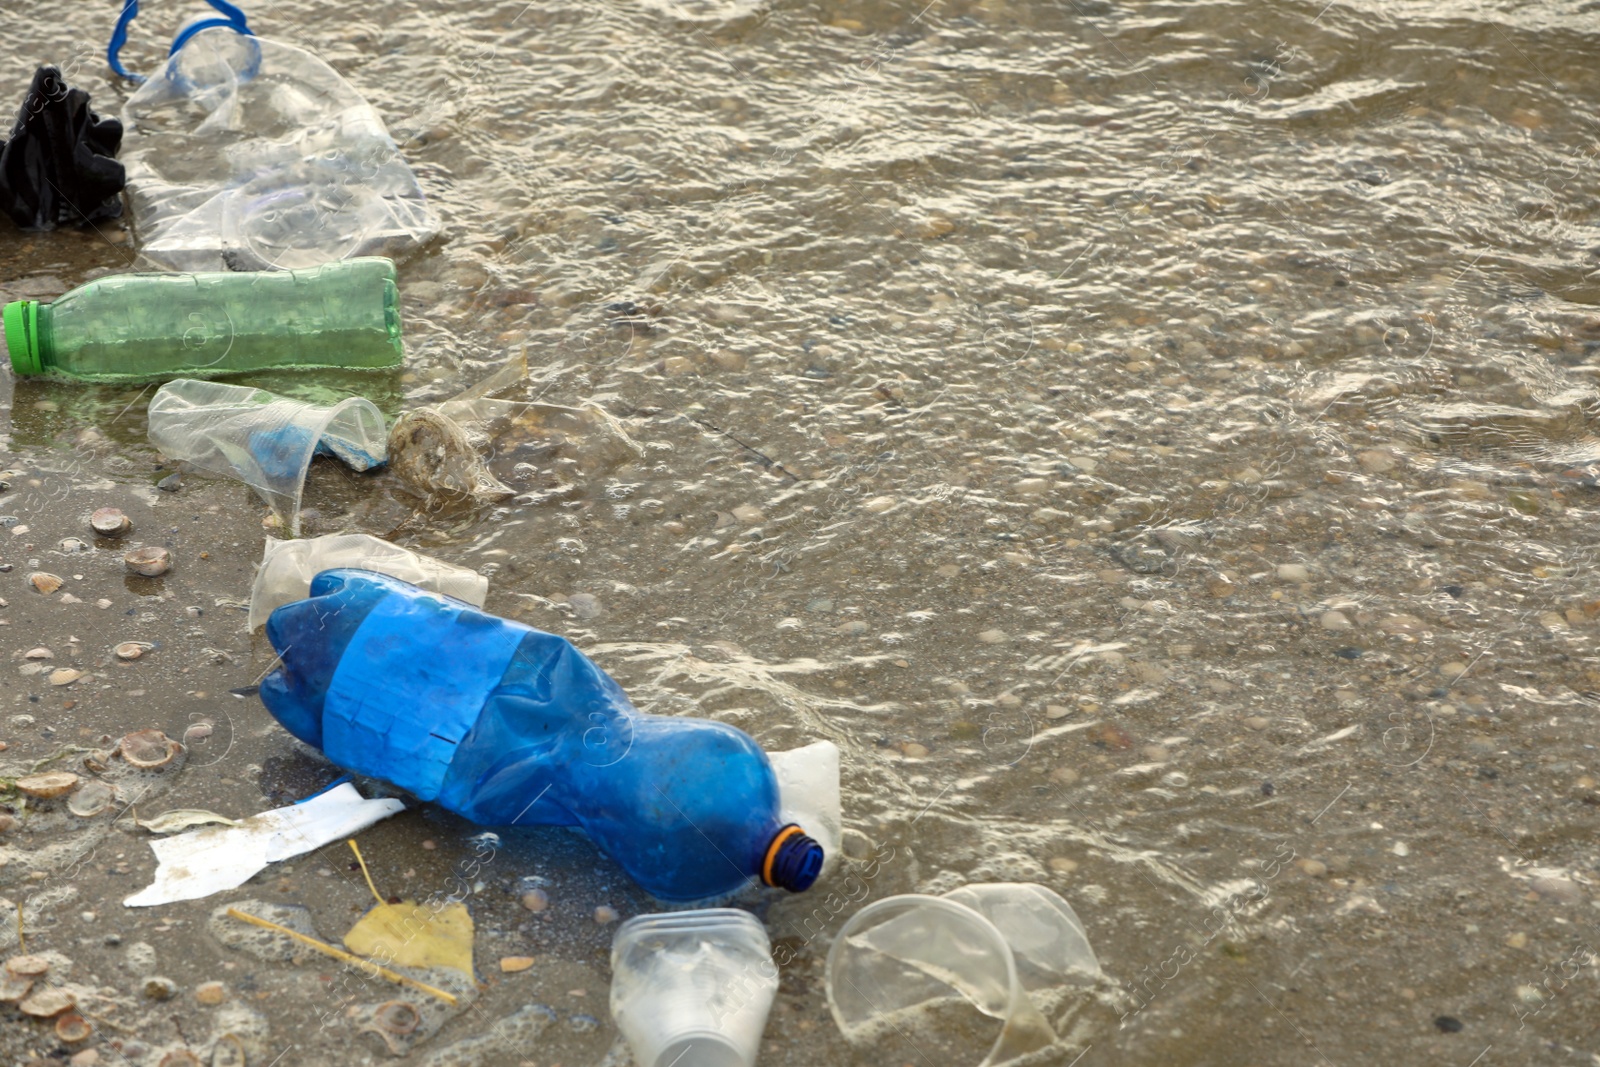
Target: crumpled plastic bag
[(248, 154), (59, 167), (265, 440), (288, 567)]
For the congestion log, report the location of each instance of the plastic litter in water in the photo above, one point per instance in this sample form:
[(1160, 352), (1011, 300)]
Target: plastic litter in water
[(248, 154), (264, 440), (287, 568), (203, 862)]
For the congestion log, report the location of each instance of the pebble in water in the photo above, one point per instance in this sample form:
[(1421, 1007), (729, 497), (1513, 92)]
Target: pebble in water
[(1561, 890), (536, 900), (605, 915), (1335, 620), (152, 561), (1293, 572), (157, 988), (585, 605), (210, 993), (110, 522)]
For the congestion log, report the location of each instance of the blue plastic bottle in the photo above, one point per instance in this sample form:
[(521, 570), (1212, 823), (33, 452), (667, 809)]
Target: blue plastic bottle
[(509, 726)]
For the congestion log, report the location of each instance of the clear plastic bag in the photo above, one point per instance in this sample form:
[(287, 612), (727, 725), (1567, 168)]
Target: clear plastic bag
[(248, 154), (287, 568), (264, 440)]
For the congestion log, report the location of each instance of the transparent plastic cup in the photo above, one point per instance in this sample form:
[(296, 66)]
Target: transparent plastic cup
[(913, 967), (693, 988)]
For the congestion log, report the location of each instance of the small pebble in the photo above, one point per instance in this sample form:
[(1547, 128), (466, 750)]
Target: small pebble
[(171, 483), (879, 504), (1335, 620), (1377, 461), (109, 522), (914, 750), (1517, 940), (430, 844), (585, 605), (152, 561), (158, 988), (1448, 1024), (1312, 868), (1062, 865), (1293, 572), (536, 900), (210, 993), (515, 964), (1258, 722), (993, 637), (605, 915), (1562, 890)]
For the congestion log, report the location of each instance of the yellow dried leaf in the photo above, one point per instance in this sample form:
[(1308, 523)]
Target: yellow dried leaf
[(409, 934)]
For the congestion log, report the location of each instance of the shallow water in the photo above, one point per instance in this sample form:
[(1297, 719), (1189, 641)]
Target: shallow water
[(1157, 442)]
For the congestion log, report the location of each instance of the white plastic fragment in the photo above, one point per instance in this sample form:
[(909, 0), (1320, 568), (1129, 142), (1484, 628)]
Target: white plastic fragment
[(197, 864), (287, 568)]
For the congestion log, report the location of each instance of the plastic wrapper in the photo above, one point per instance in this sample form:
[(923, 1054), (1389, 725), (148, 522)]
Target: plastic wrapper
[(59, 166), (288, 567), (1015, 952), (248, 154), (264, 440)]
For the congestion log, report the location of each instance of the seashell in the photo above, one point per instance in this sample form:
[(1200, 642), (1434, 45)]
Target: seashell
[(48, 786), (110, 522), (132, 649), (151, 561), (397, 1016), (74, 544), (228, 1052), (47, 1002), (13, 988), (7, 822), (181, 1057), (89, 801), (198, 732), (45, 583), (65, 675), (149, 748), (27, 966), (39, 653), (72, 1028)]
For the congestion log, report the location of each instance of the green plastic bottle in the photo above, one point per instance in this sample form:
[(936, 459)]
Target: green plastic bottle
[(144, 327)]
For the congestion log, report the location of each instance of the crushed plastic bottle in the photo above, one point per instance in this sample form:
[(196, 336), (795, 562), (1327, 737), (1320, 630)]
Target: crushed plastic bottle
[(509, 726), (145, 327), (250, 154), (262, 439)]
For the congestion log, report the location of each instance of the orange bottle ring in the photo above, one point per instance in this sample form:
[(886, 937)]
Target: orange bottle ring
[(792, 830)]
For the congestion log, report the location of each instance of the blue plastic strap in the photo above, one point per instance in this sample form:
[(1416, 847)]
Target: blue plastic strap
[(410, 686), (233, 19)]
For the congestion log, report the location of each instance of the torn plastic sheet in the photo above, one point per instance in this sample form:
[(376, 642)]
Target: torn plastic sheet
[(197, 864), (288, 567), (250, 154), (265, 440)]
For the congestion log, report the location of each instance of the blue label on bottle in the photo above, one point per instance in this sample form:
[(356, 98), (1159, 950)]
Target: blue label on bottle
[(395, 714)]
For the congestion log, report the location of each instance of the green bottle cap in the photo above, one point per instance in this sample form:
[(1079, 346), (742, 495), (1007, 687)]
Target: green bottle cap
[(22, 336)]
